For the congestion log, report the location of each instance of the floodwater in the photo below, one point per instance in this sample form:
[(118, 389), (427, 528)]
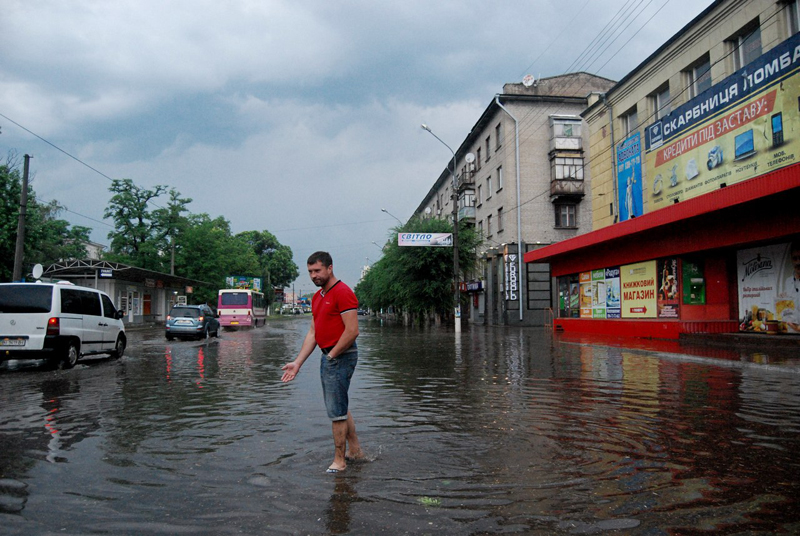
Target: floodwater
[(505, 431)]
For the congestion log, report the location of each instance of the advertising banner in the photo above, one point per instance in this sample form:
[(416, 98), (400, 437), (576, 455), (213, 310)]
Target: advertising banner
[(612, 293), (769, 288), (638, 290), (244, 282), (738, 129), (598, 293), (668, 289), (425, 239), (510, 265), (585, 279), (629, 176)]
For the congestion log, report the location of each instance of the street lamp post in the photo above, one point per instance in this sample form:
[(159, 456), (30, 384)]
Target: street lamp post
[(392, 215), (455, 233)]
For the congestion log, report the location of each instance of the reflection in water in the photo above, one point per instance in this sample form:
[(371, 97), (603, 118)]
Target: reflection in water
[(499, 430)]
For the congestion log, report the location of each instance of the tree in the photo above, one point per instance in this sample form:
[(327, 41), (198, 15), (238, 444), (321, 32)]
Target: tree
[(169, 223), (47, 238), (419, 280), (275, 258), (207, 251), (134, 239)]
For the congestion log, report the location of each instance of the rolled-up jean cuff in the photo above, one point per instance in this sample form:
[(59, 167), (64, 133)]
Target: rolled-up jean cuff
[(335, 374)]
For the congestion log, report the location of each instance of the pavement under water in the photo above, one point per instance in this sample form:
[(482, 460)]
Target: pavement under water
[(498, 430)]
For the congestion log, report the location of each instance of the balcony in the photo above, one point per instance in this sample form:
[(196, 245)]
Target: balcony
[(466, 180), (466, 213), (566, 143), (560, 188)]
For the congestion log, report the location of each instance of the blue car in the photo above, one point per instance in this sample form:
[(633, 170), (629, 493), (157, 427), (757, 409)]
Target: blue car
[(191, 321)]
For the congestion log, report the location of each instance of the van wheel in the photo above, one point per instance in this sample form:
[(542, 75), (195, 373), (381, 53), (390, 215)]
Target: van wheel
[(119, 348), (71, 356)]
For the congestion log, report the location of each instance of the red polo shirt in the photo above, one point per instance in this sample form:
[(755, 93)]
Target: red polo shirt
[(327, 310)]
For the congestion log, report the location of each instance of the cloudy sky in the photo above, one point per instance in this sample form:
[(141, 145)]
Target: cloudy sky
[(299, 117)]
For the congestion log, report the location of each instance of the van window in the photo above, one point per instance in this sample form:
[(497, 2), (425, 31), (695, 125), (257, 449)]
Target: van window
[(26, 298), (109, 311), (80, 302)]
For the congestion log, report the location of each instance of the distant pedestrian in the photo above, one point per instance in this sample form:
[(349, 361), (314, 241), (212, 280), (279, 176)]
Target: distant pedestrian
[(334, 328)]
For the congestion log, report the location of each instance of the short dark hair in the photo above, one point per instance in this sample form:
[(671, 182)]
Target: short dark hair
[(321, 256)]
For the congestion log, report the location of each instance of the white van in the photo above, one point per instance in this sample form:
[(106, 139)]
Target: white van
[(58, 321)]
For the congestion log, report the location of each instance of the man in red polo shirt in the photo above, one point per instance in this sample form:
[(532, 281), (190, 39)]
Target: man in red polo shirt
[(334, 329)]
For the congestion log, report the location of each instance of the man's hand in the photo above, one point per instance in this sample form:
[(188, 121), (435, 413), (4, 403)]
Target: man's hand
[(290, 370)]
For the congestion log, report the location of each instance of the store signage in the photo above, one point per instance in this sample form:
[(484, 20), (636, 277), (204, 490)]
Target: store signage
[(474, 286), (425, 239), (150, 283), (511, 276), (105, 273), (732, 132), (638, 282), (769, 288), (629, 176)]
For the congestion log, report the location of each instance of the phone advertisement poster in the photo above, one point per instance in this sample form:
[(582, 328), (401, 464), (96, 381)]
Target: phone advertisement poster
[(739, 128)]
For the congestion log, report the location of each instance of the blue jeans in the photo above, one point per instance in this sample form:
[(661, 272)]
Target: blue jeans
[(335, 375)]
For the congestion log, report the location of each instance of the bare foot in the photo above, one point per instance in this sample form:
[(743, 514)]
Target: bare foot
[(336, 468)]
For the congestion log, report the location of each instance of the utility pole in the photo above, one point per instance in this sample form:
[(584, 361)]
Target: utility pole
[(23, 210)]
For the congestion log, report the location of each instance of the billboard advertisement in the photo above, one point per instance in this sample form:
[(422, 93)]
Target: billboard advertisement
[(244, 282), (613, 304), (737, 129), (769, 288), (585, 279), (425, 239), (668, 288), (629, 176), (638, 290)]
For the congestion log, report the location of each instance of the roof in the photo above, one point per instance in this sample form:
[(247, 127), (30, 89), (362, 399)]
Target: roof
[(778, 182), (88, 267)]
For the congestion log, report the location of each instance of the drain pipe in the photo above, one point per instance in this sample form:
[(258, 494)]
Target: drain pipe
[(615, 180), (519, 217)]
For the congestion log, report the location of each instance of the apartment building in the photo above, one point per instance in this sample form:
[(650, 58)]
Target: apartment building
[(520, 180), (695, 186)]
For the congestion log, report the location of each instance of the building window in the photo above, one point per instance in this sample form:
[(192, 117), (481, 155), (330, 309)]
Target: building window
[(565, 216), (630, 122), (488, 149), (792, 17), (489, 187), (746, 45), (567, 168), (499, 178), (480, 227), (478, 160), (489, 225), (498, 134), (500, 220), (661, 103), (699, 77), (478, 196)]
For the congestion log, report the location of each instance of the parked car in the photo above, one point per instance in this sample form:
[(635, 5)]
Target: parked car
[(191, 321), (60, 322)]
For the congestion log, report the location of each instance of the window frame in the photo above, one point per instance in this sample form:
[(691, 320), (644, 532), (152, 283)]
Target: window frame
[(572, 216)]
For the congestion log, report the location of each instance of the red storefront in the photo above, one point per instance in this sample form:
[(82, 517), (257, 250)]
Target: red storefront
[(679, 269)]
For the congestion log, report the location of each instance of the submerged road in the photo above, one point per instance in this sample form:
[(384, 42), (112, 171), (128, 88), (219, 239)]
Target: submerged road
[(505, 431)]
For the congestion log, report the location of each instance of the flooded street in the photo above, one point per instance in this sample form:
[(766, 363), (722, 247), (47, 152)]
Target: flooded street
[(507, 431)]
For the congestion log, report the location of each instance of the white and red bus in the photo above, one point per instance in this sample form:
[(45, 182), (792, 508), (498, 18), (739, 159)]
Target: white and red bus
[(241, 308)]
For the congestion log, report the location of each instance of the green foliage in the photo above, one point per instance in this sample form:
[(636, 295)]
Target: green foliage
[(274, 258), (418, 279), (47, 238), (210, 253)]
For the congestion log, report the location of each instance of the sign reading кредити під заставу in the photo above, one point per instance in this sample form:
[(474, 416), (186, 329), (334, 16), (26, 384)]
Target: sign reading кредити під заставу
[(425, 239)]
